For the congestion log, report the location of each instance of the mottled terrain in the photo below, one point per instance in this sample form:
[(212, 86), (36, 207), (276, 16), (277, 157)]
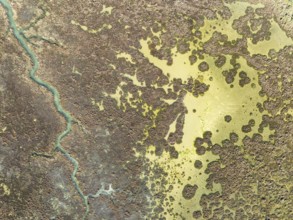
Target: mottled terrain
[(180, 110)]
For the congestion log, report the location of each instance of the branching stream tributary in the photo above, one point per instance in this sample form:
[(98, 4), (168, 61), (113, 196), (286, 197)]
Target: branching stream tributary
[(56, 99)]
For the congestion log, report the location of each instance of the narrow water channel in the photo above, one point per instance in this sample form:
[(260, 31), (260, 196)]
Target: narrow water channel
[(56, 98)]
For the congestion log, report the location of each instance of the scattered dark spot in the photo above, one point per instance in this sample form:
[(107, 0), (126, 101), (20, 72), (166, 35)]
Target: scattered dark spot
[(189, 191), (272, 53), (229, 79), (200, 150), (251, 122), (159, 150), (207, 135), (216, 148), (203, 66), (242, 74), (244, 81), (198, 34), (173, 153), (260, 107), (183, 47), (198, 142), (192, 59), (234, 137), (196, 214), (246, 128), (228, 118), (198, 164), (220, 61), (199, 88)]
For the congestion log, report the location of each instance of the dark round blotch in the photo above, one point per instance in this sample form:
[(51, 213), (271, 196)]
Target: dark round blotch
[(198, 164), (203, 66), (257, 137), (192, 59), (199, 88), (234, 137), (237, 66), (230, 75), (229, 79), (220, 61), (228, 118), (173, 153), (262, 93), (200, 56), (251, 122), (194, 110), (242, 74), (260, 107), (216, 148), (198, 142), (272, 53), (200, 150), (246, 128), (234, 59), (244, 81), (189, 191), (198, 34), (225, 73), (183, 47), (155, 40), (207, 135), (196, 214)]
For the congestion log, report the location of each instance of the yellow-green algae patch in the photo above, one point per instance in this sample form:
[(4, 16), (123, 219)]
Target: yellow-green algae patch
[(278, 40), (237, 101), (126, 56), (206, 112), (89, 30), (5, 189), (181, 172), (220, 100), (224, 26), (107, 10)]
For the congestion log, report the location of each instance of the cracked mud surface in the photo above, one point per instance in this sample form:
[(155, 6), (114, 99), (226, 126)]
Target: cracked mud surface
[(180, 110)]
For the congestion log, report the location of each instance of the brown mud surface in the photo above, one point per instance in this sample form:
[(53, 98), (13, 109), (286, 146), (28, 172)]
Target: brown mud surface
[(184, 108)]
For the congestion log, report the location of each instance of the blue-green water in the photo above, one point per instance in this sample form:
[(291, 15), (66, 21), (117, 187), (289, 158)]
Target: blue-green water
[(66, 115)]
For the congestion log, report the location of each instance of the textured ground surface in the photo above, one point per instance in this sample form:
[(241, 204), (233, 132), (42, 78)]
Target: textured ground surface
[(182, 110)]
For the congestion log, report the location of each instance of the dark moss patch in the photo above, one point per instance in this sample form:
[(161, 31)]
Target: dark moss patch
[(189, 191), (198, 164), (228, 118), (200, 150), (192, 59), (246, 128), (173, 153), (197, 214), (234, 137), (220, 61), (203, 66)]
